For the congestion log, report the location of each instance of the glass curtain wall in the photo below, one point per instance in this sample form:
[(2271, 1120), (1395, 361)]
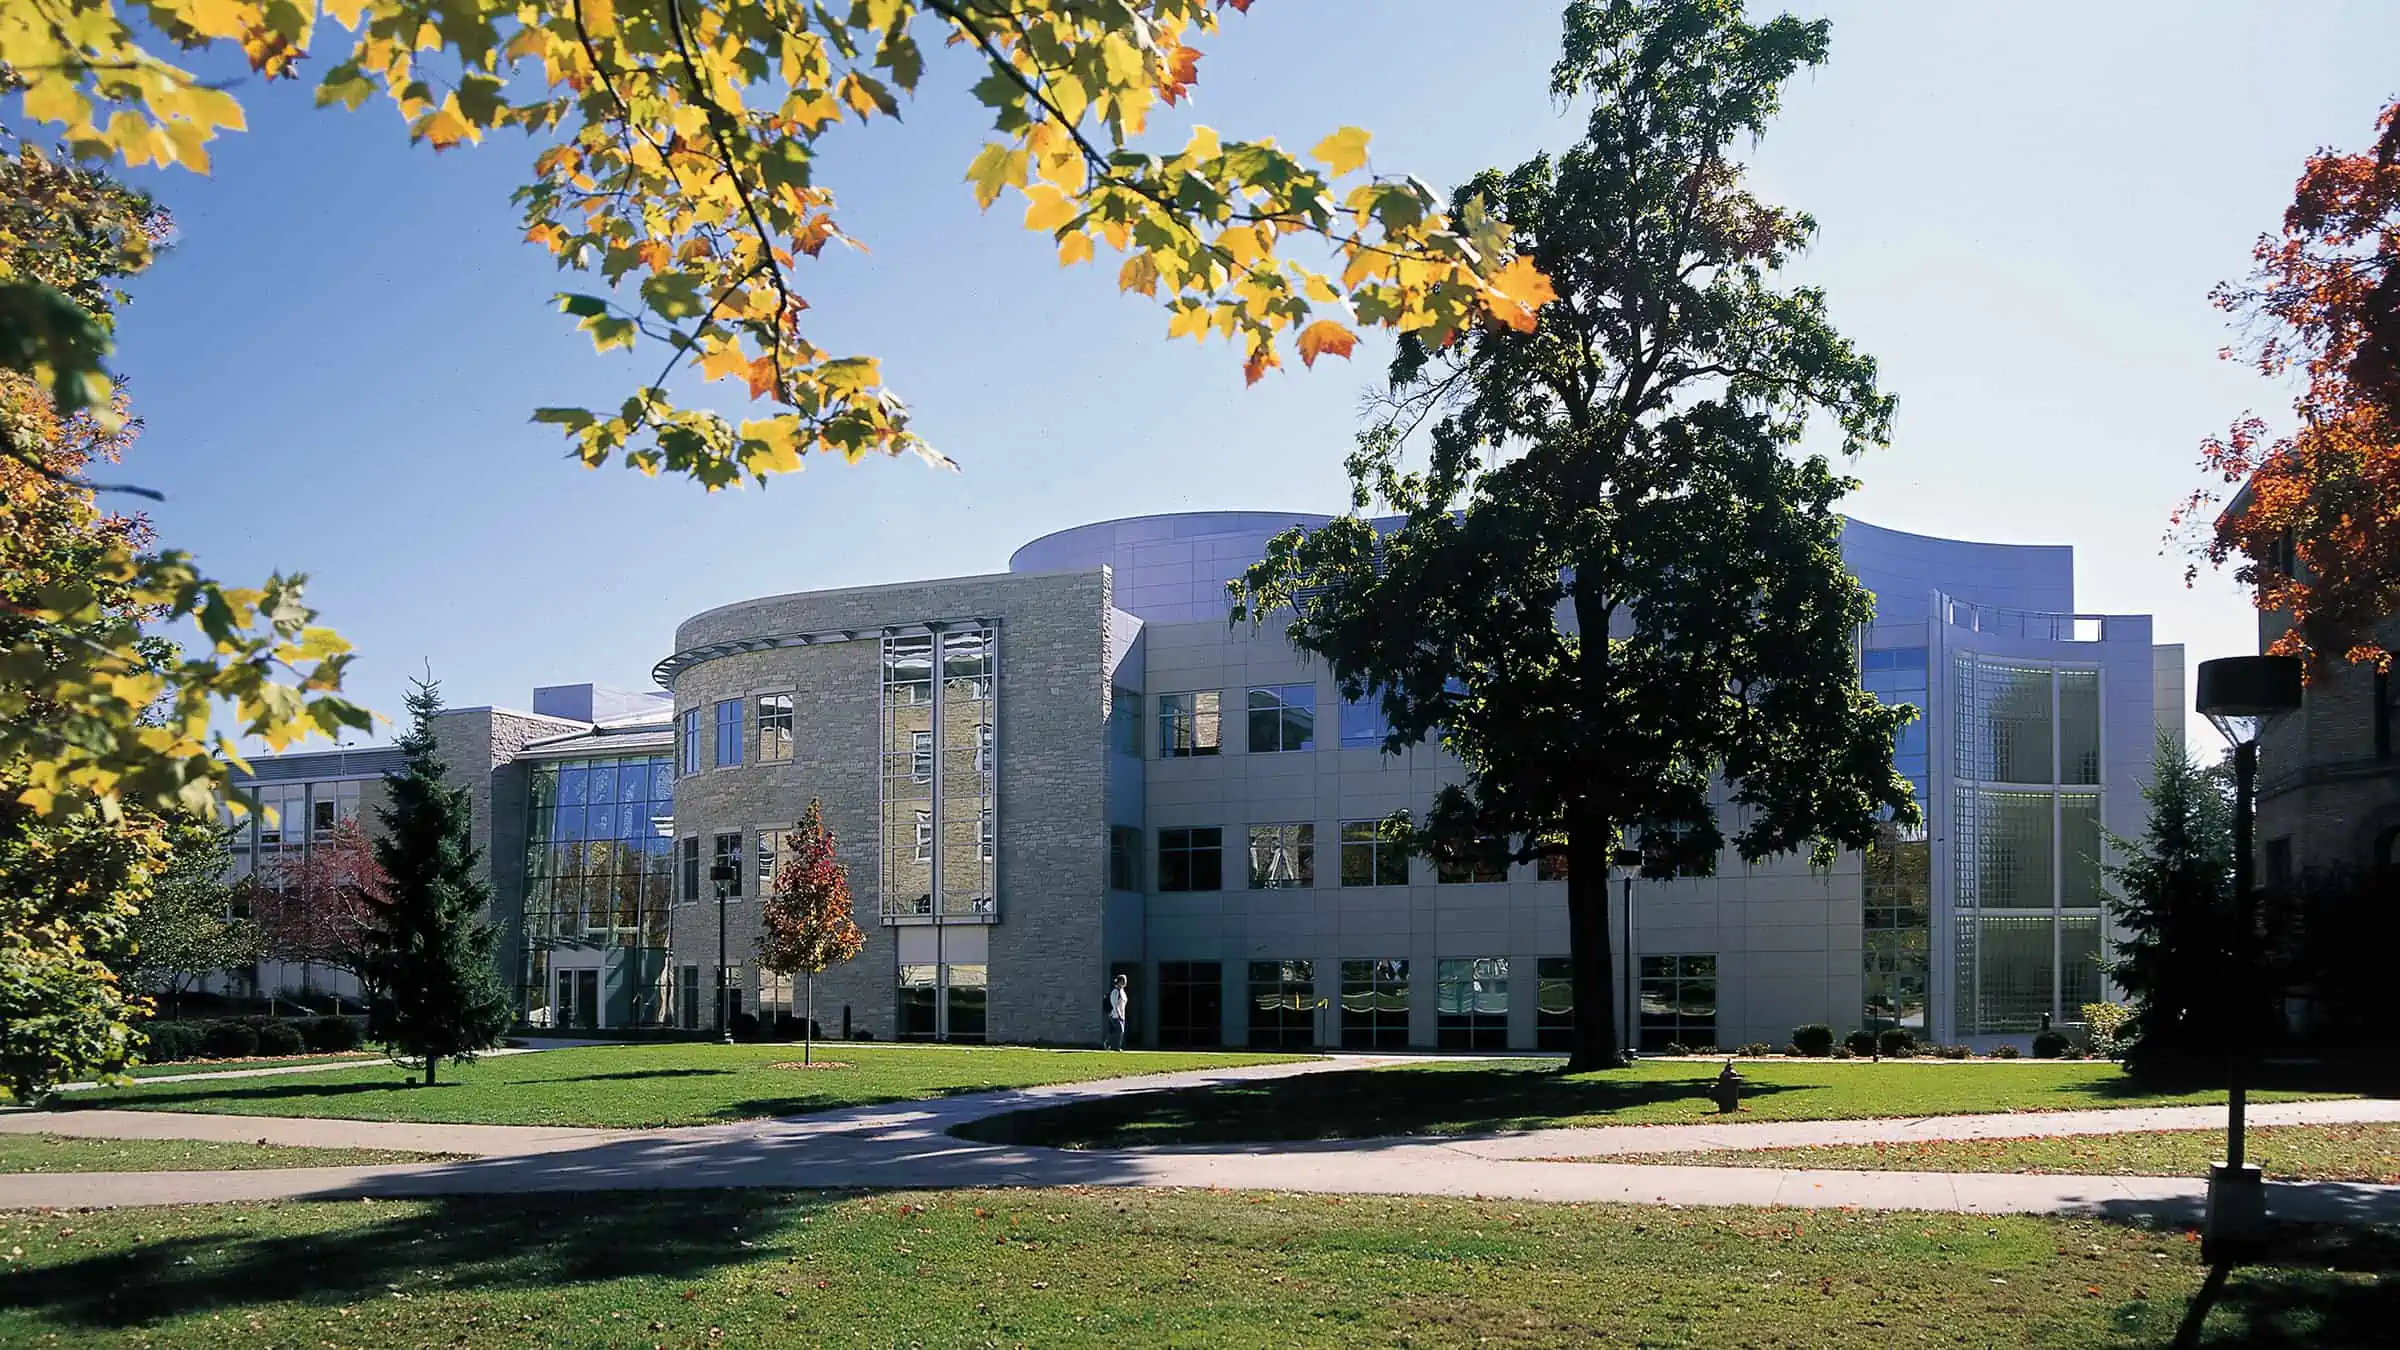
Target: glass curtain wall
[(598, 884), (2026, 844), (1897, 886), (940, 835)]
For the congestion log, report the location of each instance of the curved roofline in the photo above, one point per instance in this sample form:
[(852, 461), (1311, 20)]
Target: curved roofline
[(1321, 516), (1173, 515)]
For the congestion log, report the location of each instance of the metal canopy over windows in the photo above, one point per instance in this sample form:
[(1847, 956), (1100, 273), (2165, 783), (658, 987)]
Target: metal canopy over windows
[(941, 759), (2026, 844)]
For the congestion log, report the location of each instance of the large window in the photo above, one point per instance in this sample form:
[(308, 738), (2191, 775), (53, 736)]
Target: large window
[(1125, 723), (1364, 727), (774, 850), (969, 989), (1124, 858), (1188, 724), (1191, 1004), (1282, 1005), (1371, 856), (1283, 717), (774, 728), (1374, 1005), (688, 997), (727, 854), (1484, 860), (1678, 1002), (691, 741), (1191, 859), (1472, 1004), (1282, 856), (907, 814), (729, 733), (1554, 1003), (601, 870), (918, 989)]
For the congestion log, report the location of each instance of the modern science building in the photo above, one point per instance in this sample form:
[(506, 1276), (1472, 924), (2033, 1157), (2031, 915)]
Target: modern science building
[(1077, 768)]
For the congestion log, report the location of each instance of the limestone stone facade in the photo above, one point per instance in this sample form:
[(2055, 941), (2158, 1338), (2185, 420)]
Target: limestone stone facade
[(2329, 775)]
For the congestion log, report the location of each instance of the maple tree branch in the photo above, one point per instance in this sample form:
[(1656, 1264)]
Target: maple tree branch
[(717, 118)]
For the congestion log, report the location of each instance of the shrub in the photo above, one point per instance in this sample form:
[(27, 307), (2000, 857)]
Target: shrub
[(1896, 1042), (1861, 1043), (1953, 1052), (229, 1040), (1757, 1050), (280, 1038), (331, 1035), (743, 1026), (1676, 1048), (170, 1041), (1814, 1039), (1794, 1051), (2004, 1052), (2050, 1044), (2107, 1022), (1843, 1052)]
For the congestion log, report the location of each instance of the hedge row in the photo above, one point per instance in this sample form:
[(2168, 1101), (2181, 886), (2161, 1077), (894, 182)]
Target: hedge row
[(250, 1037)]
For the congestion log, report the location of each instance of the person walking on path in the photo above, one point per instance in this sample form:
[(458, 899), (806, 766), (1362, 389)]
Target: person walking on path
[(1114, 1037)]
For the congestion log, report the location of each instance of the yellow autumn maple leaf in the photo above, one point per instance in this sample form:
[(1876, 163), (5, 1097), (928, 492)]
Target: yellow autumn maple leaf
[(1343, 151), (1325, 336), (1517, 291)]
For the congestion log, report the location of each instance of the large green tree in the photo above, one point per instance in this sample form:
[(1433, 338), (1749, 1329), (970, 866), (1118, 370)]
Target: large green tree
[(1617, 587), (2172, 900), (186, 928), (434, 992)]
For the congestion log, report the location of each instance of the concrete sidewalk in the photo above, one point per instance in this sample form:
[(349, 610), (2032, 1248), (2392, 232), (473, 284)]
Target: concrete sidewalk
[(907, 1146)]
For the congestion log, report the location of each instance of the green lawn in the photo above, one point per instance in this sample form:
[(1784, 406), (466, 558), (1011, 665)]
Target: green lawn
[(644, 1085), (1137, 1268), (1464, 1098), (59, 1153), (2287, 1152)]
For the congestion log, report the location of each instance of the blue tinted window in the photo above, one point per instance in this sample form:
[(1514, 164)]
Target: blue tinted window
[(691, 740), (729, 733), (1364, 726), (1876, 660)]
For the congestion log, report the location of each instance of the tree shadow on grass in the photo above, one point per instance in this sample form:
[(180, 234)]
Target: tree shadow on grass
[(1349, 1104), (2318, 1287), (299, 1090), (473, 1243)]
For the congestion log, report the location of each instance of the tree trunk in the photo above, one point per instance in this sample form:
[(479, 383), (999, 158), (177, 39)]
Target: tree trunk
[(429, 1063), (1597, 1045), (808, 1023)]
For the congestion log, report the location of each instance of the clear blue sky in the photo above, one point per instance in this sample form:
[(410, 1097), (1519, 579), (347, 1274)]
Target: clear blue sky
[(2023, 207)]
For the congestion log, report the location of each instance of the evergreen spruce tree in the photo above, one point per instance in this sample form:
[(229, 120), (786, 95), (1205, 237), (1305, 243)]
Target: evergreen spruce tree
[(2173, 900), (433, 989)]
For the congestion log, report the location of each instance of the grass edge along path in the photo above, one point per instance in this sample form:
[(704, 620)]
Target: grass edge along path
[(2367, 1152), (1503, 1096), (52, 1153), (645, 1085), (1103, 1267)]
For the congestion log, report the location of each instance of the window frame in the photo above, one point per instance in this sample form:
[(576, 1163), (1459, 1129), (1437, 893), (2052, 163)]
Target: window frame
[(687, 869), (1299, 843), (1181, 719), (726, 846), (687, 759), (1475, 1028), (1387, 861), (1184, 842), (1655, 1032), (1287, 734), (718, 727), (777, 727)]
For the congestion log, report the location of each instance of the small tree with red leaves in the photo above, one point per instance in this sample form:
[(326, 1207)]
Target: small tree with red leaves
[(315, 907), (807, 924), (2315, 517)]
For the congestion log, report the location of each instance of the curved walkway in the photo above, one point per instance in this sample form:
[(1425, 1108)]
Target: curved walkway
[(907, 1146)]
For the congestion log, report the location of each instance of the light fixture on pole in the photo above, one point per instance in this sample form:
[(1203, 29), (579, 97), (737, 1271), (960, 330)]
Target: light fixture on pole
[(1629, 859), (2239, 695), (723, 872)]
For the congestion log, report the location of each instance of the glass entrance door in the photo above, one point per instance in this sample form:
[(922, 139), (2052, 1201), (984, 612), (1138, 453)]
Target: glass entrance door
[(579, 999)]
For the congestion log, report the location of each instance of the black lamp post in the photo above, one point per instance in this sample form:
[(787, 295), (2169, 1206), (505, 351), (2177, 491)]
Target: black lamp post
[(2239, 695), (724, 874), (1629, 859)]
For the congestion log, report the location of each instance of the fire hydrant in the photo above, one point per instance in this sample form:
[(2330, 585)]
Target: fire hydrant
[(1726, 1092)]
